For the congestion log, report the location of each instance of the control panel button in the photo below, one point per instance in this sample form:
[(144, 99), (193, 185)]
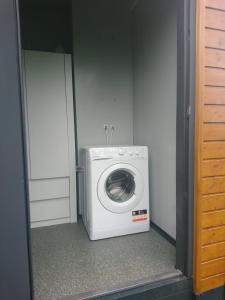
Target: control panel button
[(121, 151)]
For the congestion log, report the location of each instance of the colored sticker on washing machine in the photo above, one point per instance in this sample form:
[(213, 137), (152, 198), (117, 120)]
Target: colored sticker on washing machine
[(139, 212), (139, 215)]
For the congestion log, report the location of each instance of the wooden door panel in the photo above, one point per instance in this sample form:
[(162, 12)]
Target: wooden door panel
[(209, 265), (219, 4), (213, 167), (215, 19), (213, 185), (213, 219), (214, 251), (213, 235), (213, 202), (214, 58), (214, 132), (214, 113), (212, 282), (214, 77), (214, 39), (213, 150), (213, 95), (213, 267)]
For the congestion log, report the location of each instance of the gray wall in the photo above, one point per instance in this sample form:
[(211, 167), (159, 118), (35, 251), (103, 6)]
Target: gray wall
[(155, 103), (103, 70)]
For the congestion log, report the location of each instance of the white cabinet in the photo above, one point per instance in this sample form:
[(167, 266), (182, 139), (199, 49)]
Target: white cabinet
[(50, 137)]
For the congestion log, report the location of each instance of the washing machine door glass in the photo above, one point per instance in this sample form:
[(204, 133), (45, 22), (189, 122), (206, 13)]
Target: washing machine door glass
[(120, 185), (120, 188)]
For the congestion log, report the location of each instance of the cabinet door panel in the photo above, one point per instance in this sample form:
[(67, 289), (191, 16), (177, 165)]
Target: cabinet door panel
[(46, 114), (49, 189), (49, 209)]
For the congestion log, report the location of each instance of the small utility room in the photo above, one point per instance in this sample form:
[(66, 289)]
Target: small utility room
[(100, 115)]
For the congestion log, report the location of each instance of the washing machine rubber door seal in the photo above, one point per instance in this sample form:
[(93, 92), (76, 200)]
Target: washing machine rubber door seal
[(109, 178)]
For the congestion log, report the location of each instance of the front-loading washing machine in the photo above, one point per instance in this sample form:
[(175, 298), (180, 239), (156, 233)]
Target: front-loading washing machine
[(116, 191)]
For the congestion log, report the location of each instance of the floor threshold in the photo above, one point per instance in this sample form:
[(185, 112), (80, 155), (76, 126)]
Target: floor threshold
[(132, 288)]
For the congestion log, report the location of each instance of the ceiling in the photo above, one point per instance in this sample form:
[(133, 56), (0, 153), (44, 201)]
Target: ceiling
[(46, 3)]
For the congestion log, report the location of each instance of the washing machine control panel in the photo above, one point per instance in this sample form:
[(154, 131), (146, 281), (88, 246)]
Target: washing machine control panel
[(132, 152), (119, 152)]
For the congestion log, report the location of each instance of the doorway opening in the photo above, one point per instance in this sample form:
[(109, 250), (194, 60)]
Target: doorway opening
[(100, 75)]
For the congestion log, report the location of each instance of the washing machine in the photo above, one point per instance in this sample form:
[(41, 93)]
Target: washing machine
[(116, 191)]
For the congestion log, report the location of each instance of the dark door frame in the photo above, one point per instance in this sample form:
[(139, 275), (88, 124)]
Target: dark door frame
[(15, 265), (15, 262), (185, 134)]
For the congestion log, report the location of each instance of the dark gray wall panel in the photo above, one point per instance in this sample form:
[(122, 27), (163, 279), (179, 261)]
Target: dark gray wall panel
[(46, 27), (216, 294), (14, 264)]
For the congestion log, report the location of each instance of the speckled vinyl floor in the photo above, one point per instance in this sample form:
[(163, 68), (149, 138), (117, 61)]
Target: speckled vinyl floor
[(66, 262)]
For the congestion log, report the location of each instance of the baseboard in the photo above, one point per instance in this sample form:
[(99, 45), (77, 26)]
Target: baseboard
[(164, 234)]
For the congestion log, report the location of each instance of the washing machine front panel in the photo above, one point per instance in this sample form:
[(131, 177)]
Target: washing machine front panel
[(120, 188)]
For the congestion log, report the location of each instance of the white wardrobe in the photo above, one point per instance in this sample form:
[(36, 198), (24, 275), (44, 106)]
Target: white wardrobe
[(50, 137)]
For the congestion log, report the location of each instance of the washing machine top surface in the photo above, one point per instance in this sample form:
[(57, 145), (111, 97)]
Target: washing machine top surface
[(117, 151)]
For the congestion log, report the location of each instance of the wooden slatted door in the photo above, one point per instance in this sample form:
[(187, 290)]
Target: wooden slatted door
[(209, 266)]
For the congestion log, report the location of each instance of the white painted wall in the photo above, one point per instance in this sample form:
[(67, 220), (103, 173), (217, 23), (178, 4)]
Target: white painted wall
[(103, 70), (103, 73), (155, 103), (132, 86)]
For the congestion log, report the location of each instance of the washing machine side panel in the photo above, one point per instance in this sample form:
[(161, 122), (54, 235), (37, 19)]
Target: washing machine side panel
[(85, 192)]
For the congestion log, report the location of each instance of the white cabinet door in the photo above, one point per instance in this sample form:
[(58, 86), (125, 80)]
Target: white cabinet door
[(47, 114), (50, 132)]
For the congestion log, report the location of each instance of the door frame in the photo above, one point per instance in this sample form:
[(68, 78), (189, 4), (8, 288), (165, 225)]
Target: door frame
[(186, 36), (14, 221), (15, 259)]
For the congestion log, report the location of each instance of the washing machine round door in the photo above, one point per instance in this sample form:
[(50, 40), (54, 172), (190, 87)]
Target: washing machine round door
[(120, 188)]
